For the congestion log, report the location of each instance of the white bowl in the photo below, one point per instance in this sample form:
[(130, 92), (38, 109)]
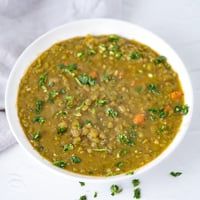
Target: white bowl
[(94, 27)]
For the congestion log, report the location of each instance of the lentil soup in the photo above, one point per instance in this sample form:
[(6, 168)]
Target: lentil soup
[(100, 105)]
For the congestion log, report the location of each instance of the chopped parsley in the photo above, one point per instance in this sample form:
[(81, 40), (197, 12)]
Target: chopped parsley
[(60, 163), (115, 189), (137, 193), (68, 147), (84, 197), (153, 88), (182, 109), (124, 139), (111, 112), (75, 159), (61, 130), (39, 104), (52, 95), (137, 190), (114, 50), (82, 183), (95, 194), (135, 55), (157, 113), (39, 119), (42, 79), (70, 68), (36, 136), (87, 121), (160, 59), (84, 79), (175, 174), (135, 182), (113, 38), (163, 129)]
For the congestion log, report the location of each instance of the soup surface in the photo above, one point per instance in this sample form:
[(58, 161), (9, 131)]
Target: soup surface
[(100, 105)]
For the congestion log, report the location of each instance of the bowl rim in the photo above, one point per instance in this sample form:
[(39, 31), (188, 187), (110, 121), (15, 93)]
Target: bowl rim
[(12, 88)]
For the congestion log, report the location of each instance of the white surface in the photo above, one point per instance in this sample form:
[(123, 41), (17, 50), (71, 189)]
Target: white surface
[(178, 23), (96, 27)]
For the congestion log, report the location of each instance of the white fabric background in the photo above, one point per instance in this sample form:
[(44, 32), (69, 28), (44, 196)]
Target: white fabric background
[(176, 21)]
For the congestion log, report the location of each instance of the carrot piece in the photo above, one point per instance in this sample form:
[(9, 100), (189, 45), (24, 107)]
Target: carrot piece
[(93, 74), (176, 95), (139, 119)]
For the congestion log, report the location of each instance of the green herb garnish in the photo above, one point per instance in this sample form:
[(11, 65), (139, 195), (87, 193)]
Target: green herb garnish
[(39, 119), (82, 183), (113, 38), (124, 139), (135, 55), (84, 197), (70, 68), (115, 189), (36, 136), (95, 194), (75, 159), (60, 163), (175, 174), (42, 79), (152, 88), (135, 182), (39, 104), (87, 121), (160, 59), (68, 147), (157, 113), (84, 79), (163, 129), (61, 130), (137, 193), (182, 109), (52, 95), (111, 112)]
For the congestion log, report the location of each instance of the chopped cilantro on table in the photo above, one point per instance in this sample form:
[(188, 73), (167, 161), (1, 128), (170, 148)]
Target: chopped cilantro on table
[(175, 174), (115, 189)]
